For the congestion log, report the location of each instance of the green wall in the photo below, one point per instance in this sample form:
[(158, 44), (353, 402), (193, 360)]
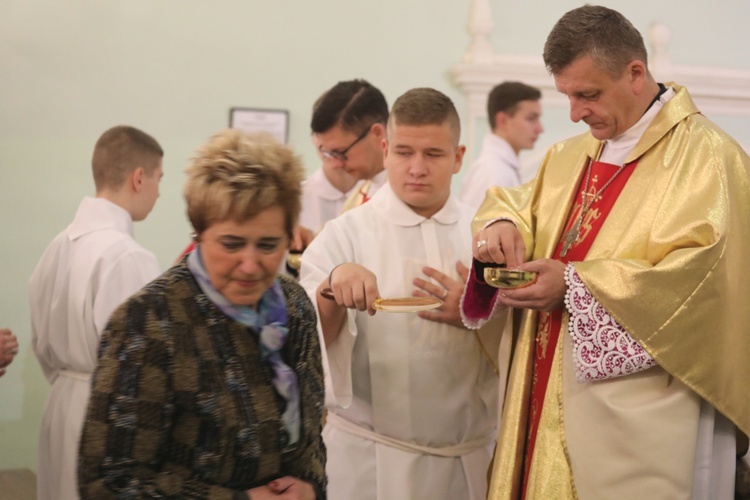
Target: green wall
[(70, 69)]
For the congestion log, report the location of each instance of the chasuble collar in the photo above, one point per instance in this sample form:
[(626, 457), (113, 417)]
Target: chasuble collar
[(618, 149), (672, 112), (679, 107), (388, 205)]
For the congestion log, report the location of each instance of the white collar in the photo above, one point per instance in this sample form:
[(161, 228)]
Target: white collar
[(98, 213), (393, 209), (617, 149)]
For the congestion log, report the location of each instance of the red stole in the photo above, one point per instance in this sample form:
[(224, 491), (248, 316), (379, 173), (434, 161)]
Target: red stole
[(187, 250), (363, 191), (548, 328)]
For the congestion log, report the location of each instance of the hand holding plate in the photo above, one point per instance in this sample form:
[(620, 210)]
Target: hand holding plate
[(448, 289), (354, 287), (547, 293)]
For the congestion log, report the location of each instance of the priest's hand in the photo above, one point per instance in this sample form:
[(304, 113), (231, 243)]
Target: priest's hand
[(546, 294), (500, 242), (447, 289)]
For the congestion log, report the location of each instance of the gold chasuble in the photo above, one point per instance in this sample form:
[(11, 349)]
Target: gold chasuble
[(668, 260)]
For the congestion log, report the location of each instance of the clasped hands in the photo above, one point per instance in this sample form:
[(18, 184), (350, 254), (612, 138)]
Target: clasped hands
[(356, 287), (287, 487), (501, 243)]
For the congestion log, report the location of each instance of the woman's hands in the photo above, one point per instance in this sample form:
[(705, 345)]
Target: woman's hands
[(287, 488)]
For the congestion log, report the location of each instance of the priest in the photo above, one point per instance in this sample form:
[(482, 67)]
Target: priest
[(632, 340)]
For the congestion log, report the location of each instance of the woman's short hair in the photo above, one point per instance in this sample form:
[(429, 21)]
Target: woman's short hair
[(236, 175)]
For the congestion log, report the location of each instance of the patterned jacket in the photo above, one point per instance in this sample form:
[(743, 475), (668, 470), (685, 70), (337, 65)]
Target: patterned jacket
[(183, 407)]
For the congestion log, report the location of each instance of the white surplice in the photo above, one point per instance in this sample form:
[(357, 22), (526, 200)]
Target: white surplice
[(321, 201), (404, 392), (86, 272), (497, 165)]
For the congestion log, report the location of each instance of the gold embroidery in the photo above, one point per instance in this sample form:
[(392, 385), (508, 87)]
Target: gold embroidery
[(543, 333)]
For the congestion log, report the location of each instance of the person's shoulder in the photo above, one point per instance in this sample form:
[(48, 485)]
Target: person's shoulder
[(156, 308), (352, 218), (466, 210), (297, 301), (715, 135), (698, 136), (573, 143), (172, 286), (54, 247)]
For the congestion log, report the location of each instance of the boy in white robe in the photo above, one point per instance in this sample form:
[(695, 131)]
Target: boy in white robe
[(514, 113), (412, 397), (86, 272)]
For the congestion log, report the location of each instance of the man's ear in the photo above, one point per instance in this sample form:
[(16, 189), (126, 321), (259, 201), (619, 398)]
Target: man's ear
[(378, 131), (637, 73), (460, 151), (384, 147), (136, 179)]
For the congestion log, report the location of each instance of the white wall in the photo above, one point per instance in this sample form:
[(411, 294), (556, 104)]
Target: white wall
[(70, 69)]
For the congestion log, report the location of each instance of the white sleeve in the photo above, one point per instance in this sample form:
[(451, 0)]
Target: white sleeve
[(602, 349), (124, 276), (482, 177), (326, 251)]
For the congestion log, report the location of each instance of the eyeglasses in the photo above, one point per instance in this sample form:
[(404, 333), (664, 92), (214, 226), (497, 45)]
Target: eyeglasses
[(341, 155)]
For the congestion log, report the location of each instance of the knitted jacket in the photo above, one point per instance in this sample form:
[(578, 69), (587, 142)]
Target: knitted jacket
[(183, 407)]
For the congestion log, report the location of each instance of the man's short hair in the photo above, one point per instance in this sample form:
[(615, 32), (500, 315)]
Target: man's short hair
[(425, 106), (506, 96), (603, 34), (235, 176), (119, 151), (353, 105)]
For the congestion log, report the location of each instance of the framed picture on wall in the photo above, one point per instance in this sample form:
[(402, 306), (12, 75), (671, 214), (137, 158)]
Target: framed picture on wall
[(272, 121)]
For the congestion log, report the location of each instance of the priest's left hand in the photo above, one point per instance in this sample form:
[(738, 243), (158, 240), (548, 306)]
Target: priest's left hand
[(448, 290), (546, 294)]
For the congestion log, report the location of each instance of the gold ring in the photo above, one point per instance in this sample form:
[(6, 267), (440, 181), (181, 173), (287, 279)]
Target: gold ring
[(480, 243)]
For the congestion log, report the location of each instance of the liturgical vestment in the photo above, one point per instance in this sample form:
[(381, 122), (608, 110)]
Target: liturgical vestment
[(670, 266)]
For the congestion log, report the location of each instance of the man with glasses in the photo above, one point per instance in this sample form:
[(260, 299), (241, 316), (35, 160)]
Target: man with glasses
[(348, 125)]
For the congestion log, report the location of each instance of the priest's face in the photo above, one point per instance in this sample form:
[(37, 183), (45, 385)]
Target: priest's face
[(421, 161), (242, 258), (609, 106)]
